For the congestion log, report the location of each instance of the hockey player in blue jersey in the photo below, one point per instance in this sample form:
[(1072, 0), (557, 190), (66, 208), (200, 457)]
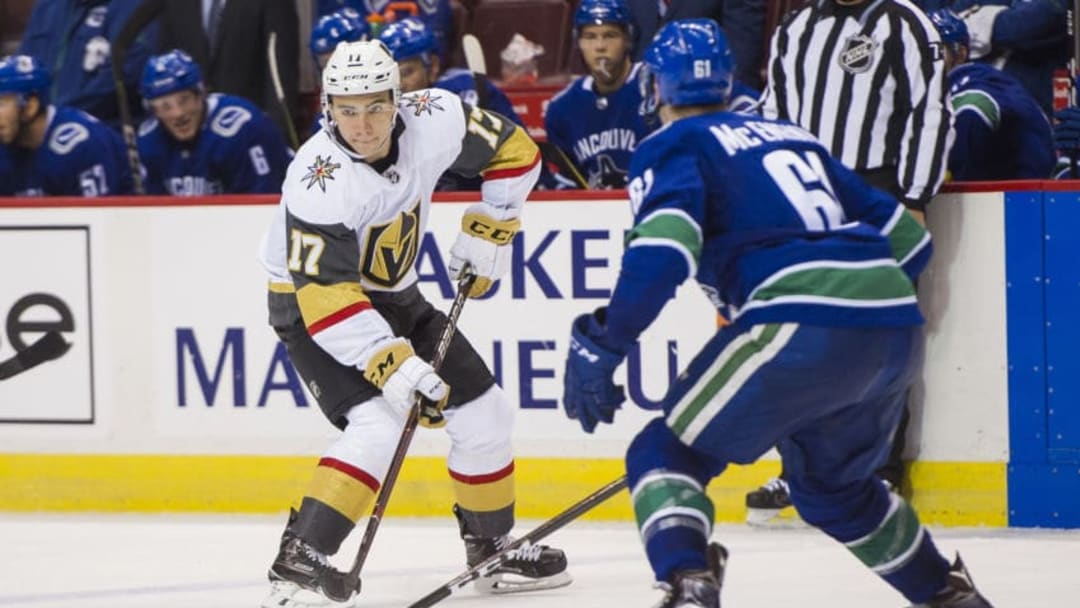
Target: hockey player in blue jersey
[(200, 144), (1001, 132), (48, 150), (815, 270), (595, 119)]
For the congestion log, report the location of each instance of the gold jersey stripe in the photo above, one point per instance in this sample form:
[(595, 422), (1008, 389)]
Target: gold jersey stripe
[(322, 305), (515, 156)]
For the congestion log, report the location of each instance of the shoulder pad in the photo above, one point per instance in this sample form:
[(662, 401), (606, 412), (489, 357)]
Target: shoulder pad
[(315, 184), (67, 136), (430, 102)]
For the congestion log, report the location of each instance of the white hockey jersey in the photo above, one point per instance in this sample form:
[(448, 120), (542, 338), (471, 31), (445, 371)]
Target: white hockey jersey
[(346, 228)]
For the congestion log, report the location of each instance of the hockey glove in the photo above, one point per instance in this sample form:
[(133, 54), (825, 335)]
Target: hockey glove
[(483, 246), (402, 376), (589, 394), (1067, 131)]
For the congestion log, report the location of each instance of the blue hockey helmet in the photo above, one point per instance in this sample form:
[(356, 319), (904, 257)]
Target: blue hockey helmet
[(345, 25), (408, 38), (599, 12), (164, 74), (950, 27), (24, 75), (689, 63)]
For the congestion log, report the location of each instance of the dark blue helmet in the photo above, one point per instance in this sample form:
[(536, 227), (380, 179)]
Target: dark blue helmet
[(599, 12), (407, 38), (950, 27), (24, 76), (174, 71), (690, 64), (345, 25)]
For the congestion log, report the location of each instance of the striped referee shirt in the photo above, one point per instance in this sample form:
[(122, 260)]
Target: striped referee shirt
[(869, 81)]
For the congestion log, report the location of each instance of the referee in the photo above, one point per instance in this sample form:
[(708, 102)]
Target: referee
[(867, 77)]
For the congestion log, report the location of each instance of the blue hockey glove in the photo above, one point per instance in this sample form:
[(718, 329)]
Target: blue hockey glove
[(589, 394), (1067, 130)]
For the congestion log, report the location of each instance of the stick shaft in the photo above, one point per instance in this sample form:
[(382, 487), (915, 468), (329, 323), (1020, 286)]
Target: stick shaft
[(383, 498)]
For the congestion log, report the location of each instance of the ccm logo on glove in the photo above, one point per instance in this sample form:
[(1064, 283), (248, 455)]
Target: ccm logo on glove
[(489, 229)]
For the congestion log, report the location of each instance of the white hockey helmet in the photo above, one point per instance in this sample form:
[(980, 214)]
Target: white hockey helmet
[(359, 68)]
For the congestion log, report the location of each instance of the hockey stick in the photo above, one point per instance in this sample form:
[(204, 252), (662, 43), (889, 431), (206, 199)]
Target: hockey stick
[(474, 54), (48, 347), (139, 19), (542, 531), (279, 92), (352, 578)]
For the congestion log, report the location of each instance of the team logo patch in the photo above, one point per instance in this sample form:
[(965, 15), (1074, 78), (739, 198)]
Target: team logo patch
[(857, 56), (423, 102), (391, 248), (321, 171)]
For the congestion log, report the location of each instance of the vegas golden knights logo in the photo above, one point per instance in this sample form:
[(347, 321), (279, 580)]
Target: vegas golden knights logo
[(391, 248)]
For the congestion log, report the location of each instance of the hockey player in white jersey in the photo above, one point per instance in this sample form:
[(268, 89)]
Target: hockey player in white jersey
[(344, 300)]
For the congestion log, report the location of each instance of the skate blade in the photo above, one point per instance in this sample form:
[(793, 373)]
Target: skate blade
[(500, 584), (775, 519), (284, 594)]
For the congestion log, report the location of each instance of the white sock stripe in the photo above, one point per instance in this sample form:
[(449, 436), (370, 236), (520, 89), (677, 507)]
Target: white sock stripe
[(894, 505), (677, 511)]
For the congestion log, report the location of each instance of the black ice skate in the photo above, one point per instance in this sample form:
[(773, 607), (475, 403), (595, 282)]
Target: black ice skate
[(959, 592), (302, 577), (697, 587), (770, 506), (528, 568)]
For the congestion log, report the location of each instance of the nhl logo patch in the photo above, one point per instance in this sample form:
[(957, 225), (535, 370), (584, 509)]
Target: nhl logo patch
[(319, 172), (857, 55)]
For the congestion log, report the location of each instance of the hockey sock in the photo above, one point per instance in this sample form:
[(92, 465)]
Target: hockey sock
[(486, 501), (675, 518), (340, 494), (902, 552), (667, 483)]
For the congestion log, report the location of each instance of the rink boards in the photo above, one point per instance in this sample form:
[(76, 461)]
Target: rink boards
[(175, 395)]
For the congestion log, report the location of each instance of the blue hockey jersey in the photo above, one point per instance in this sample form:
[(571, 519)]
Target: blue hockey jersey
[(80, 156), (74, 39), (598, 132), (1001, 132), (772, 227), (238, 150)]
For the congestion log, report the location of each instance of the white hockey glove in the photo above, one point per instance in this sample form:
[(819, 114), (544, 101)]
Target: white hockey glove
[(484, 246), (980, 24), (402, 376)]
